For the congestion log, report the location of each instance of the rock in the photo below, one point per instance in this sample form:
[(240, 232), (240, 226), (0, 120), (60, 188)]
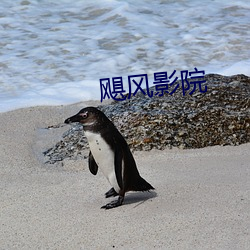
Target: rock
[(221, 116)]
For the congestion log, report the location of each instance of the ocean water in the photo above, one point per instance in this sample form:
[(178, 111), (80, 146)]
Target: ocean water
[(55, 52)]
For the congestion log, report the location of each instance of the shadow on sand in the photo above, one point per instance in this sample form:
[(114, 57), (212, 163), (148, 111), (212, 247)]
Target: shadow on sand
[(138, 198)]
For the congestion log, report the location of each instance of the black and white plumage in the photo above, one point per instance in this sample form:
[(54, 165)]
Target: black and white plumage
[(110, 152)]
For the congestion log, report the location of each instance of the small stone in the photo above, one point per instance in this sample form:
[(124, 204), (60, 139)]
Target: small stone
[(147, 140), (181, 133)]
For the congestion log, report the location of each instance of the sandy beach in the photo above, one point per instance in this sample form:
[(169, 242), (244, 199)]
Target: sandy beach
[(201, 198)]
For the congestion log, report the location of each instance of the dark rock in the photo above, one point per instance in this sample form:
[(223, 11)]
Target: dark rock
[(221, 116)]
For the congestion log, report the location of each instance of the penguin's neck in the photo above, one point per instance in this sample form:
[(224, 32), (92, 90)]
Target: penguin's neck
[(92, 128)]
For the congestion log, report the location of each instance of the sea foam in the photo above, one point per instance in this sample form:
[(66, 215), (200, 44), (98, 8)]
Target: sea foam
[(54, 53)]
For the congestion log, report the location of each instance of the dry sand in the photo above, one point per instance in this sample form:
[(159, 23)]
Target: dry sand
[(201, 201)]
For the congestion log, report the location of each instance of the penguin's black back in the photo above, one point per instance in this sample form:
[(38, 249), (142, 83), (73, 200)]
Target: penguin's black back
[(132, 180)]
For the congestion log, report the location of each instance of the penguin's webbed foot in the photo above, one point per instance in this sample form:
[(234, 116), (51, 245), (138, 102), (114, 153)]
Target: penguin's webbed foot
[(113, 204), (111, 193)]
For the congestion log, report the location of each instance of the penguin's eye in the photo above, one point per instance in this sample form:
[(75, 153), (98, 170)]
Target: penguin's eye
[(84, 115)]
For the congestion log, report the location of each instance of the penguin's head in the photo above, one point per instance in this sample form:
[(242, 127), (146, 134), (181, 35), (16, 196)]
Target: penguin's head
[(88, 117)]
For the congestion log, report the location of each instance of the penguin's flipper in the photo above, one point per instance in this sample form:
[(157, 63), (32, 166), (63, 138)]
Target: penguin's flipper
[(111, 193), (118, 166), (93, 167)]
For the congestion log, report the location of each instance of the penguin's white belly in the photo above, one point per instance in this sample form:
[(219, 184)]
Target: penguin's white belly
[(104, 157)]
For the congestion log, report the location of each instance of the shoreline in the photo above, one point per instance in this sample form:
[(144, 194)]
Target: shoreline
[(201, 197)]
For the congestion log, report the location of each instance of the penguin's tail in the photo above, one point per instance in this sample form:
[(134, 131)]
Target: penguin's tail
[(141, 185)]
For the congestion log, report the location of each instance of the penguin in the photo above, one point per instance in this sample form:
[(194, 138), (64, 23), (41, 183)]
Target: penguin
[(110, 152)]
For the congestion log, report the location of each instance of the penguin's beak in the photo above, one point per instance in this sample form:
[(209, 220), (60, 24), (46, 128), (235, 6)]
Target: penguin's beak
[(74, 118)]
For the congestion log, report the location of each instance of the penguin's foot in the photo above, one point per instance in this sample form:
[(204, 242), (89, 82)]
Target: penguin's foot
[(113, 204), (111, 193)]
